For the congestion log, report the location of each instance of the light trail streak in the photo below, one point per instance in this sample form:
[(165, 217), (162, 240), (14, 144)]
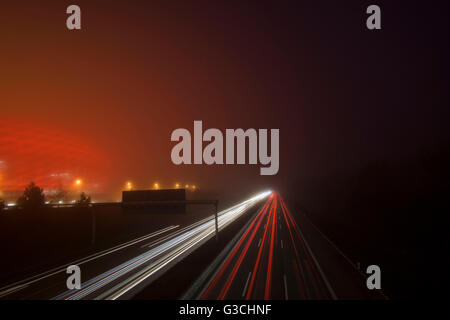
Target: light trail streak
[(298, 264), (259, 218), (262, 260), (312, 272), (247, 239), (261, 249), (163, 255), (272, 242), (61, 269), (238, 263), (317, 274)]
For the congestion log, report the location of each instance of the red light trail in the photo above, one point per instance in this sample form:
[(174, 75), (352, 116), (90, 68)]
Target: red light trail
[(266, 264)]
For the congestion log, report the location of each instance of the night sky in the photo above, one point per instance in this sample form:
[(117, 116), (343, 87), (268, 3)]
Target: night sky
[(111, 94)]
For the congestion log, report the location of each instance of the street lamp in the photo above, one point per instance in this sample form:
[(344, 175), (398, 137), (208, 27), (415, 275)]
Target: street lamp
[(129, 185)]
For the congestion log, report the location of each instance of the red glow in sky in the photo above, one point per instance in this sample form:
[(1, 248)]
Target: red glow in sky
[(136, 71), (48, 157)]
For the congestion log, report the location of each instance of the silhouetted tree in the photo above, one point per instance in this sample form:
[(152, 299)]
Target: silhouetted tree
[(85, 200), (33, 197)]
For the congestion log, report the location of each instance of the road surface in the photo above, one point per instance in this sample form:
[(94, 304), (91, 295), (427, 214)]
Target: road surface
[(121, 271), (273, 256), (270, 261)]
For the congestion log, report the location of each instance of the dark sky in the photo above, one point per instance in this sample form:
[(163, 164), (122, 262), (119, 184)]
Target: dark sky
[(340, 94)]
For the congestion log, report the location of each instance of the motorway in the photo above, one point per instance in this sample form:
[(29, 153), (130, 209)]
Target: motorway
[(267, 257), (121, 271), (271, 260)]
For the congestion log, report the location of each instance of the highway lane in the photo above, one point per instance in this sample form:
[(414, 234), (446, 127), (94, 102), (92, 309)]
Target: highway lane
[(119, 272), (47, 284), (270, 261)]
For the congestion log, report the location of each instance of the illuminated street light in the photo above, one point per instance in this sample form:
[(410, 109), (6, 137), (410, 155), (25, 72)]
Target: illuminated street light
[(78, 182), (193, 187), (129, 185), (186, 186), (156, 185), (177, 185)]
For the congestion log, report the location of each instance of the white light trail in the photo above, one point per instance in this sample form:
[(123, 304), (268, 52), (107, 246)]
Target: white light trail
[(161, 256), (61, 269)]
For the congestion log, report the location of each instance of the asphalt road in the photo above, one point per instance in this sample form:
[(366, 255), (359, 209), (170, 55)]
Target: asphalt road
[(273, 256), (121, 271), (270, 261)]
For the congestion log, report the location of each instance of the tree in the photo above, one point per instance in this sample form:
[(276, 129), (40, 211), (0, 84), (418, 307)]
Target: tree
[(32, 198), (85, 200)]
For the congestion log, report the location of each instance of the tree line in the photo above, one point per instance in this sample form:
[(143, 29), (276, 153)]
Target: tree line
[(33, 197)]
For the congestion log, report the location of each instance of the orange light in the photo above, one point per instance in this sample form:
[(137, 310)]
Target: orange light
[(177, 185), (78, 182), (186, 186), (129, 185), (193, 187), (156, 185)]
